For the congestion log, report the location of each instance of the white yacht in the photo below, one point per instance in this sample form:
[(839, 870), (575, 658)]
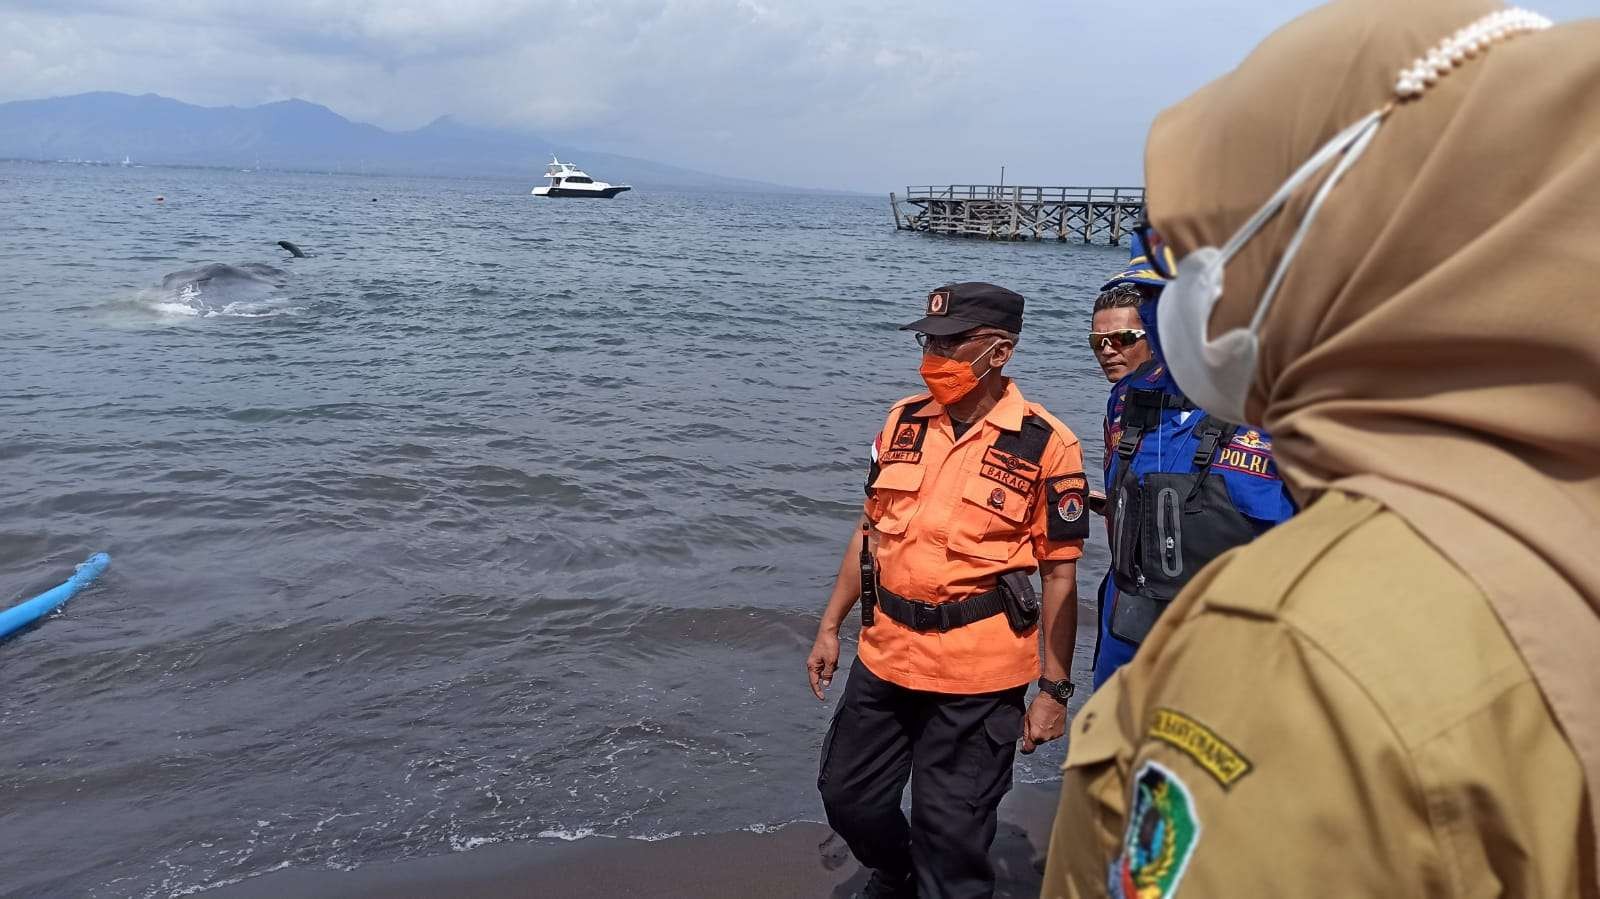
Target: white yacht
[(567, 180)]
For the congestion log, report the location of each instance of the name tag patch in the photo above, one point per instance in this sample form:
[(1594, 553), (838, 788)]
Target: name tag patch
[(1200, 743), (1013, 471), (1252, 462)]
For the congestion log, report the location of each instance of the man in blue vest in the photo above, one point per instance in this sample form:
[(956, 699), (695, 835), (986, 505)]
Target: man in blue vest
[(1182, 487)]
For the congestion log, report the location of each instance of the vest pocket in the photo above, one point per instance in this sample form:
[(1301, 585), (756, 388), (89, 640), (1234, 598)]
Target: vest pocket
[(894, 497), (1169, 531), (1126, 514), (990, 521)]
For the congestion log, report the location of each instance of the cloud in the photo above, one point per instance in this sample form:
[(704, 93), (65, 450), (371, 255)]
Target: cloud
[(673, 68), (826, 92)]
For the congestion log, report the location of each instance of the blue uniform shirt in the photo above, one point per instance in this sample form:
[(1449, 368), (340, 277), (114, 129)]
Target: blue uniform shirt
[(1245, 464)]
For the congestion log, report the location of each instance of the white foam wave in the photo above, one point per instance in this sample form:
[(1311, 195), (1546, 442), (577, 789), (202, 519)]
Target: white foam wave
[(257, 310), (192, 889), (467, 844), (656, 837), (174, 309), (241, 296), (570, 836)]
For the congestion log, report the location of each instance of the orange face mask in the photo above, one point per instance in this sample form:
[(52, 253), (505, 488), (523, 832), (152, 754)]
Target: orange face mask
[(949, 380)]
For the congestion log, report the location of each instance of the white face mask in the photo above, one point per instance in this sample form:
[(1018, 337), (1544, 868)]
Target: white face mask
[(1217, 374)]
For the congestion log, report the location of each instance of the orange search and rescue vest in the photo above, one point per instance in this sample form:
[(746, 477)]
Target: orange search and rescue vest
[(952, 514)]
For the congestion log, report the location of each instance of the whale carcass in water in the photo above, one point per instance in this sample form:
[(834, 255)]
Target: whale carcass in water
[(250, 288)]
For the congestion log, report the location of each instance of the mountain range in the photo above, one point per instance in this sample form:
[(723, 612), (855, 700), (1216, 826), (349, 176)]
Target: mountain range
[(301, 136)]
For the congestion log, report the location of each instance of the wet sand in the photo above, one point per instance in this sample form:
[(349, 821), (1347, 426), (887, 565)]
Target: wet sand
[(799, 861)]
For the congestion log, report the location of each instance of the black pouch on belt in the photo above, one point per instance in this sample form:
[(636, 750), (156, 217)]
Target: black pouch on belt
[(1021, 602)]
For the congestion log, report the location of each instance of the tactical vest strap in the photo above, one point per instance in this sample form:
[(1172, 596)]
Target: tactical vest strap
[(1214, 432), (1142, 412), (1146, 405), (1129, 443)]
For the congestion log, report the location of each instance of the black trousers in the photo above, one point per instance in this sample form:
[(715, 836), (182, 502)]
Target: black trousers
[(957, 752)]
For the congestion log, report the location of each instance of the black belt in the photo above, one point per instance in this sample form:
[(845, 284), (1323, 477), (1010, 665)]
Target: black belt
[(943, 616)]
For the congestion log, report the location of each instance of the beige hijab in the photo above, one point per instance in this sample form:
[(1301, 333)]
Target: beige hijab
[(1436, 343)]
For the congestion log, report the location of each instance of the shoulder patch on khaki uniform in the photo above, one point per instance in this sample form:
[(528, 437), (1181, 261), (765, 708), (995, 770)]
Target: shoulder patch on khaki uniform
[(1200, 743), (1163, 831)]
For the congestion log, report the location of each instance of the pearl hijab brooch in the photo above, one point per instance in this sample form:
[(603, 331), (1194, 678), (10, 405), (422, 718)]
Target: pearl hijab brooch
[(1463, 45)]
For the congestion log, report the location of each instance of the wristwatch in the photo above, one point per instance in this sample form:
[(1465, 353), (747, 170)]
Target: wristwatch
[(1059, 690)]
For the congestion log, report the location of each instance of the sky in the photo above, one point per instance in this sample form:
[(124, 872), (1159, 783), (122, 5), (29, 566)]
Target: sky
[(824, 93)]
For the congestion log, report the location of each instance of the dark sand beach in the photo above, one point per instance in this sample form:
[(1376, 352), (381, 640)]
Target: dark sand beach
[(798, 861)]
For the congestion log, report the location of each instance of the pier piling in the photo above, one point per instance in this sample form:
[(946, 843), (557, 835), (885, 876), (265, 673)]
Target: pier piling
[(1015, 212)]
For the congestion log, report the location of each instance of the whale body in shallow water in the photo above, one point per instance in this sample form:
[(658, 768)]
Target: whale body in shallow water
[(246, 289), (220, 276)]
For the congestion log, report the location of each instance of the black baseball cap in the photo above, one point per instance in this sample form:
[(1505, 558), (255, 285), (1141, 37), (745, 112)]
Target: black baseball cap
[(954, 308)]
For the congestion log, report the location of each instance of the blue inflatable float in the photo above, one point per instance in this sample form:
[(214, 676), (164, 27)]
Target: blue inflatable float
[(23, 614)]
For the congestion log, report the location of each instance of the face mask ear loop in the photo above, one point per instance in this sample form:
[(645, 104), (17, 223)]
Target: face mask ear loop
[(1329, 150), (985, 353), (1369, 130)]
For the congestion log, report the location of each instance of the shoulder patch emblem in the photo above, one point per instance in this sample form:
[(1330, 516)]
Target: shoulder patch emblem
[(1253, 440), (906, 446), (1163, 830), (1068, 497), (906, 437), (1070, 507), (1070, 482), (1201, 743)]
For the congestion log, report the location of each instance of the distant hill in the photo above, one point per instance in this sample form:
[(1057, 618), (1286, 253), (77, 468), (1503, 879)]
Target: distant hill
[(296, 135)]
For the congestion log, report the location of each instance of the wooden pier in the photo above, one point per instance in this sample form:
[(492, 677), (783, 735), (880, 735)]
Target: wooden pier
[(1006, 212)]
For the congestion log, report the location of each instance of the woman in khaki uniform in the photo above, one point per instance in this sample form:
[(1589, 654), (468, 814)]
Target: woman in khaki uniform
[(1396, 693)]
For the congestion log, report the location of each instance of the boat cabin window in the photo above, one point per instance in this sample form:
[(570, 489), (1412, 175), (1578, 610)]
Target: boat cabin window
[(579, 179)]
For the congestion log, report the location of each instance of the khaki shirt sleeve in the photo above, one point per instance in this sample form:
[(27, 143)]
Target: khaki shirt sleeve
[(1061, 511), (1262, 770), (1371, 732)]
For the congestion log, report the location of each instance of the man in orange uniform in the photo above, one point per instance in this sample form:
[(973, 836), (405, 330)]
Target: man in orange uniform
[(971, 489)]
